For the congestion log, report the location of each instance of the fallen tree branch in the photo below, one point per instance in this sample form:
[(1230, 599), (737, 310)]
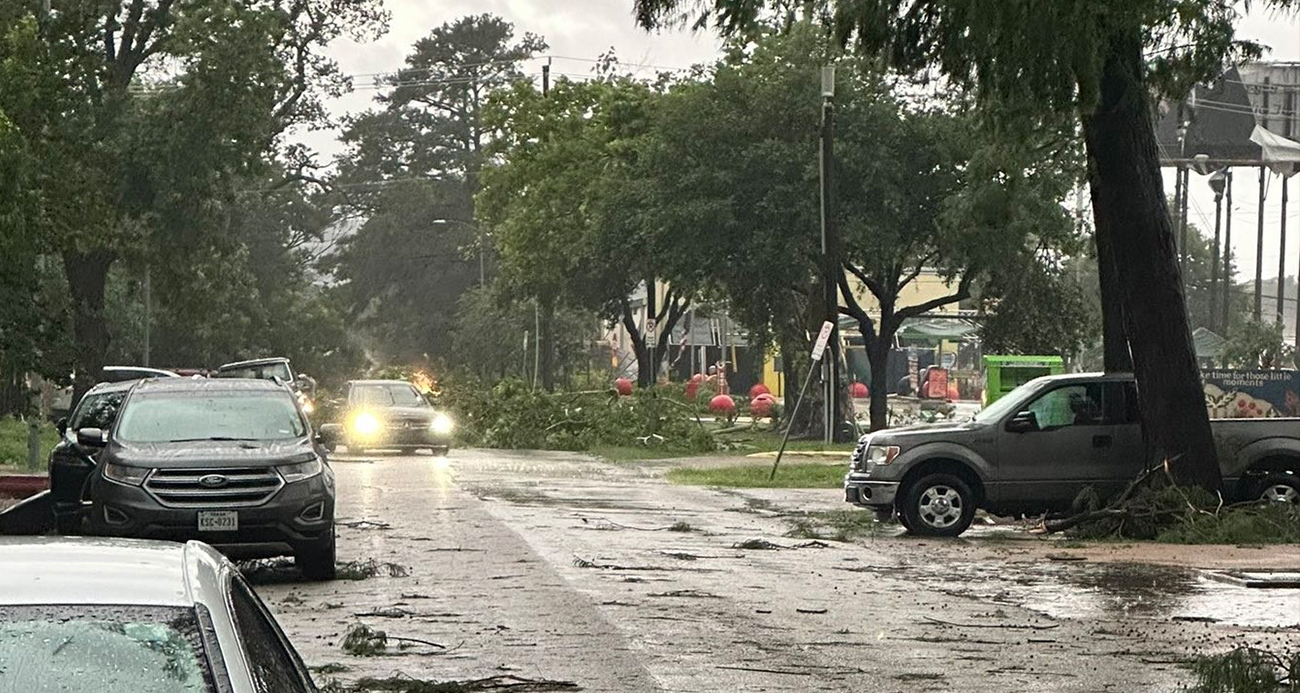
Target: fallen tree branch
[(1010, 626)]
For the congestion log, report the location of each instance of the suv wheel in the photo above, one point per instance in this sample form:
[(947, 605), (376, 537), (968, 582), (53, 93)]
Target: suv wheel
[(938, 505), (1280, 488), (440, 450), (317, 562), (68, 525)]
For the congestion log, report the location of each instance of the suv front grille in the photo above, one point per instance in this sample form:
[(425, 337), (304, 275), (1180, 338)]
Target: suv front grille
[(185, 488)]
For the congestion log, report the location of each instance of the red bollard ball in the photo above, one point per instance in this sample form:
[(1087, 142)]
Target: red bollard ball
[(623, 386), (692, 389), (758, 389), (722, 404), (761, 406), (697, 378), (859, 391)]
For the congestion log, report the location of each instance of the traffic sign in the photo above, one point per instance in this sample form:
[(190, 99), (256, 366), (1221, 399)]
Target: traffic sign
[(822, 339)]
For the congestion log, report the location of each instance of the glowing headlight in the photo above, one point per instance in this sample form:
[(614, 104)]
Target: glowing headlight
[(441, 424), (881, 454), (122, 474), (365, 424), (308, 407), (301, 470)]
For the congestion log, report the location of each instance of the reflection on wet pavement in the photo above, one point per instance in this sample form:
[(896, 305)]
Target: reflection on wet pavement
[(1093, 590)]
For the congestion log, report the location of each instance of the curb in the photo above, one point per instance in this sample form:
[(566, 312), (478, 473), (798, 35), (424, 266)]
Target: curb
[(22, 485)]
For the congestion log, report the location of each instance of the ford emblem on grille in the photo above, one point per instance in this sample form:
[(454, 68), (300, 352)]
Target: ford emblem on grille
[(213, 481)]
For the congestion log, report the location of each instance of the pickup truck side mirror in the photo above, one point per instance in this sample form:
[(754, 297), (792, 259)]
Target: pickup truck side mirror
[(1024, 422), (62, 426), (92, 437)]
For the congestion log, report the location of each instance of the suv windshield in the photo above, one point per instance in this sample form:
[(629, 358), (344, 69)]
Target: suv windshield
[(388, 395), (97, 410), (263, 371), (105, 648), (159, 417)]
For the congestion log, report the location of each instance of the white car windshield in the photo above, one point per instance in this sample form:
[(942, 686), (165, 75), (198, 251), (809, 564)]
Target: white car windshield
[(112, 648)]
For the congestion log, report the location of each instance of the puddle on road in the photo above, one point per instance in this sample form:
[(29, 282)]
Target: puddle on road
[(1101, 590)]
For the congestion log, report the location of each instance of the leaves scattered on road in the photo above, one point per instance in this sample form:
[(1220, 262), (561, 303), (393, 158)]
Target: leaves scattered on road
[(401, 683)]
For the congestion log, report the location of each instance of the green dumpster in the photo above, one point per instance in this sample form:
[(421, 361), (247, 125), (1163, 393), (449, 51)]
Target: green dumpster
[(1002, 374)]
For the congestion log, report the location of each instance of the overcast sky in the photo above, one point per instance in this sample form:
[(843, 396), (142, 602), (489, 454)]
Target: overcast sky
[(580, 30)]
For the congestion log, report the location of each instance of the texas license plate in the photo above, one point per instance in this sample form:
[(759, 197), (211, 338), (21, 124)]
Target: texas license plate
[(218, 521)]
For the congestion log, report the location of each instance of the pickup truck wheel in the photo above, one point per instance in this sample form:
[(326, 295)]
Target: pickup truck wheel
[(317, 563), (1280, 488), (939, 505)]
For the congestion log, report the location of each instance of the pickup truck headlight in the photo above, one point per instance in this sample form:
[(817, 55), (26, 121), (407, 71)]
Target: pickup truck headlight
[(300, 471), (441, 424), (122, 474), (880, 455)]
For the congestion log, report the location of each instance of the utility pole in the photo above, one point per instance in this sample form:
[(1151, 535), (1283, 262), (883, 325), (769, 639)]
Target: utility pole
[(1218, 181), (1259, 248), (1281, 259), (1227, 254), (148, 311), (830, 248), (537, 308)]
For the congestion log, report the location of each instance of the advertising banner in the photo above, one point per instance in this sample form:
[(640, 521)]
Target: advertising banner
[(1244, 394)]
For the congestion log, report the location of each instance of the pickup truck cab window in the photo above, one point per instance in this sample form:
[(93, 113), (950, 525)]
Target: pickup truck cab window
[(1070, 405)]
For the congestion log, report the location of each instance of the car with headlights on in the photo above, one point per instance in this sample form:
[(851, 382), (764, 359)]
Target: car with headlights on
[(129, 616), (389, 414), (231, 462)]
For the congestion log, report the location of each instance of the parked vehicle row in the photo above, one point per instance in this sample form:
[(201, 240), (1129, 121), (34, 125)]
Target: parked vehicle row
[(1037, 447), (233, 462)]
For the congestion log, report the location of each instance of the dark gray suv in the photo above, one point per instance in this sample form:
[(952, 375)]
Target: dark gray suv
[(231, 462)]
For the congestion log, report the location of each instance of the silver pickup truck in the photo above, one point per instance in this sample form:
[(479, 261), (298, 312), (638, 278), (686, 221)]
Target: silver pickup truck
[(1035, 449)]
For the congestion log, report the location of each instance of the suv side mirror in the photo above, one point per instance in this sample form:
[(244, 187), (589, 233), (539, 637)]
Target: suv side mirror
[(92, 437), (1024, 422)]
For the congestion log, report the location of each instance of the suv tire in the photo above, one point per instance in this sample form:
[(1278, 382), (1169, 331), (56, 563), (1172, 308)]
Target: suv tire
[(317, 563), (938, 505), (440, 450), (68, 525)]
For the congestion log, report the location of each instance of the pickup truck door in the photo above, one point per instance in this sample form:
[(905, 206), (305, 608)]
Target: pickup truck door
[(1079, 442)]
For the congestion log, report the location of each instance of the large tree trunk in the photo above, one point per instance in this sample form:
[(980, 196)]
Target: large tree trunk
[(878, 355), (1114, 339), (87, 274), (546, 344), (1130, 209)]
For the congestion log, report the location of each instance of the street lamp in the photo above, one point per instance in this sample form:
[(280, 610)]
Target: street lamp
[(479, 236), (826, 164)]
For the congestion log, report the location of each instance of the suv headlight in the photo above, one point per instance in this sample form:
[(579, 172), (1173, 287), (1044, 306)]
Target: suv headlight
[(880, 455), (301, 470), (441, 424), (365, 424), (122, 474)]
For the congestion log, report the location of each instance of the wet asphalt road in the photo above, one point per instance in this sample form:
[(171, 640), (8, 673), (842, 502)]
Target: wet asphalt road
[(556, 566)]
